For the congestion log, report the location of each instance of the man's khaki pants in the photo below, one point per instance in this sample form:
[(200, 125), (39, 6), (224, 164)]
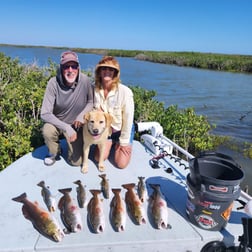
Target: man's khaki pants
[(75, 149)]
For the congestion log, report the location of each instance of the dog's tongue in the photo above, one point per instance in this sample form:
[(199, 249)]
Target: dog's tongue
[(96, 136)]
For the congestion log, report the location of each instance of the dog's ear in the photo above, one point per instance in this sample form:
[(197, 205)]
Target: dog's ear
[(108, 119), (86, 117)]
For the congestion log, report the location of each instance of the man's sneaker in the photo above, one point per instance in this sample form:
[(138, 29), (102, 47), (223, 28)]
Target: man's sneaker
[(51, 159)]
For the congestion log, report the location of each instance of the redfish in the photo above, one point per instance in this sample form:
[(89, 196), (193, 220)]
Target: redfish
[(117, 211), (158, 208), (104, 186), (43, 221), (134, 205), (47, 196), (81, 193), (69, 211), (95, 214)]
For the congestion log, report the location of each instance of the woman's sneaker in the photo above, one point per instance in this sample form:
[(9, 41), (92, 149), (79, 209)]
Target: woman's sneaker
[(51, 159)]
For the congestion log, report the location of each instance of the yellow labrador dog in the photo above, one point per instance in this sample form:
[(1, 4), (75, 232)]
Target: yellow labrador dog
[(96, 130)]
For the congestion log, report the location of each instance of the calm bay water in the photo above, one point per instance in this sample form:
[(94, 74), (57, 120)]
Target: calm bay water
[(223, 97)]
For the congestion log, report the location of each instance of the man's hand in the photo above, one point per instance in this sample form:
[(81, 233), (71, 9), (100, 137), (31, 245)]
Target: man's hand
[(73, 137)]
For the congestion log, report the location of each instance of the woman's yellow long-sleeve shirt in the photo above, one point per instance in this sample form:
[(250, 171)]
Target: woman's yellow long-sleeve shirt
[(120, 104)]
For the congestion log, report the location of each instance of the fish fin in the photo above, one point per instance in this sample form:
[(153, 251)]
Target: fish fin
[(112, 202), (102, 175), (52, 209), (20, 198), (77, 182), (95, 191), (41, 183), (36, 203), (61, 203), (26, 212), (129, 186), (65, 190), (116, 190)]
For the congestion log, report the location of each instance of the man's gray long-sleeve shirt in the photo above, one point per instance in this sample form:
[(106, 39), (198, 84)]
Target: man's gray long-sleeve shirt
[(62, 105)]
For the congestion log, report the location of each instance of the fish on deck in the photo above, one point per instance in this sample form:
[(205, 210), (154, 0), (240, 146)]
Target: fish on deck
[(69, 211), (158, 208), (81, 193), (104, 186), (95, 214), (134, 205), (43, 221), (117, 211), (141, 189), (47, 196)]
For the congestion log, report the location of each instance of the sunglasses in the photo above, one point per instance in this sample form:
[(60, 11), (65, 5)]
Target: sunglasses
[(107, 68), (75, 66)]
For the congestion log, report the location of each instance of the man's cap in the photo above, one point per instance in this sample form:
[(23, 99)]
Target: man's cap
[(68, 56)]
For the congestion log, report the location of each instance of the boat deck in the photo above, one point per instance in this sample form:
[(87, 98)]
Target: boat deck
[(18, 234)]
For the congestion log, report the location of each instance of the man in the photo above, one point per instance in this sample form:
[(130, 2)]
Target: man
[(68, 96)]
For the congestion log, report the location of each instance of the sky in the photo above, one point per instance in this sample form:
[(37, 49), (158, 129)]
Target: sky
[(212, 26)]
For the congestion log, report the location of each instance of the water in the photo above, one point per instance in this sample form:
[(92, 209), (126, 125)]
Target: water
[(221, 96)]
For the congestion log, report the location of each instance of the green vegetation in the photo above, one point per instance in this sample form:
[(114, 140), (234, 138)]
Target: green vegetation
[(182, 126), (21, 92), (211, 61)]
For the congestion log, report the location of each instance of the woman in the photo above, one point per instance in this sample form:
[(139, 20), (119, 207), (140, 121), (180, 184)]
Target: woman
[(115, 98)]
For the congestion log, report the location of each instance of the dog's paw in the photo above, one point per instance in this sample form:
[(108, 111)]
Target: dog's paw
[(84, 169), (101, 168)]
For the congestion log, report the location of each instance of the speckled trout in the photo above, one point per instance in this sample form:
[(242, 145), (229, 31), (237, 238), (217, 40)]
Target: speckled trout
[(81, 193), (43, 221), (134, 205), (69, 211), (47, 196), (104, 186), (117, 211), (141, 189), (95, 214), (158, 208)]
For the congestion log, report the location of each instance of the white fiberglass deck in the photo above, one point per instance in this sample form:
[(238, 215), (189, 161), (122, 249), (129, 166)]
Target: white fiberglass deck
[(18, 234)]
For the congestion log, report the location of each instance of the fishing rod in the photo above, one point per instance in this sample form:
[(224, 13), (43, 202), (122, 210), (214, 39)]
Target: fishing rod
[(247, 206), (157, 142)]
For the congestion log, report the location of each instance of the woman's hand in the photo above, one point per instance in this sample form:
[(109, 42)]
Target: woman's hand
[(77, 125)]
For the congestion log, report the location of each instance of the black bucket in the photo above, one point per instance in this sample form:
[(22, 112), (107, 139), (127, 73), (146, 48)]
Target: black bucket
[(213, 185)]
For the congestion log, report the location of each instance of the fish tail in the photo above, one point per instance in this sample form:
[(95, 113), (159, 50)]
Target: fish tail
[(77, 182), (95, 191), (20, 198), (116, 190), (154, 186), (65, 190), (103, 176), (129, 186), (41, 183)]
